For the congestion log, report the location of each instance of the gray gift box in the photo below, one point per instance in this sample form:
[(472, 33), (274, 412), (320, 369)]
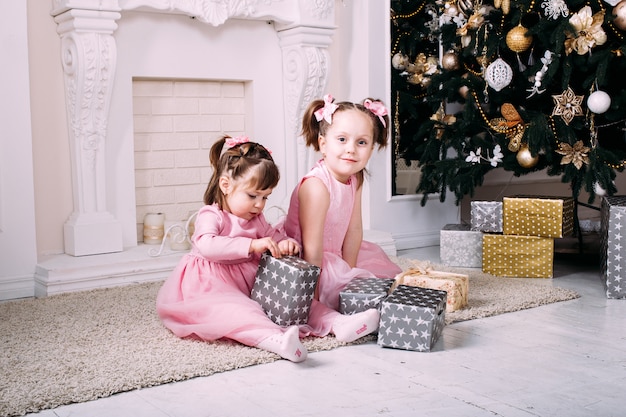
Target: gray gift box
[(613, 245), (363, 293), (412, 318), (284, 287), (486, 216), (461, 246)]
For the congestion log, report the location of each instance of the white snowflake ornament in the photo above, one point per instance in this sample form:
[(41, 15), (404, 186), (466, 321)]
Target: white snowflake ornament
[(555, 9)]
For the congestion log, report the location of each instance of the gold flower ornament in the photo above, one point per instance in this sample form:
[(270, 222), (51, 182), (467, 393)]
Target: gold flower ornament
[(576, 155), (587, 33)]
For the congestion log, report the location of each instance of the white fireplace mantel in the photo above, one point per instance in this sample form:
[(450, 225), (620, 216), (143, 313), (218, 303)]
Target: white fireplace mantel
[(89, 55), (89, 60)]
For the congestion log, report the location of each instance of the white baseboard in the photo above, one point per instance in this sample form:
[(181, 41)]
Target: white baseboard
[(382, 239), (416, 240), (16, 287)]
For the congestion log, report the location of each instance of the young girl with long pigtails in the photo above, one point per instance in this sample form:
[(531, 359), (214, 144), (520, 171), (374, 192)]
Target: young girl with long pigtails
[(325, 211)]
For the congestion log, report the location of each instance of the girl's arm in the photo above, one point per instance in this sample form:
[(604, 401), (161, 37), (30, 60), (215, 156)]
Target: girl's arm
[(314, 202), (212, 244), (354, 235)]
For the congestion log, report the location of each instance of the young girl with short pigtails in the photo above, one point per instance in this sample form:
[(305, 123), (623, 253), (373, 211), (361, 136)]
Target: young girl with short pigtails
[(207, 296)]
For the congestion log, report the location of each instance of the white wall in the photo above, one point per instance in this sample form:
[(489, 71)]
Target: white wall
[(17, 207)]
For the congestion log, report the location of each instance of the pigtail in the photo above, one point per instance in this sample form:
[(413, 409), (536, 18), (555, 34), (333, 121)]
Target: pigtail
[(311, 128), (380, 117), (213, 193)]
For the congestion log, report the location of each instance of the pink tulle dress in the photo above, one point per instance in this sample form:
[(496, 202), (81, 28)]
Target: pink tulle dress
[(336, 273), (207, 296)]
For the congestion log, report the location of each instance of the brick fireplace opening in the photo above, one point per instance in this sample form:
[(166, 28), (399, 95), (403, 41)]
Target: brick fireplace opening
[(175, 124)]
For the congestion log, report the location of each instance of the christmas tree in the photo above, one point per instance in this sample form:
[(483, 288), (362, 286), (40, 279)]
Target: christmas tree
[(520, 85)]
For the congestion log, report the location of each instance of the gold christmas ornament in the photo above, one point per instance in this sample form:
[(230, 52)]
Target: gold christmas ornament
[(516, 39), (498, 74), (576, 155), (525, 158), (450, 61), (620, 12), (567, 105)]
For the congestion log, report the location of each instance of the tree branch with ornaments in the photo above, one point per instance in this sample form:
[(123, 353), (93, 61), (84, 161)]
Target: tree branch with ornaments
[(516, 85)]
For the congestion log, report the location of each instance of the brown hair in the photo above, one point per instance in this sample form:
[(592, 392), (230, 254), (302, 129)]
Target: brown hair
[(312, 129), (236, 162)]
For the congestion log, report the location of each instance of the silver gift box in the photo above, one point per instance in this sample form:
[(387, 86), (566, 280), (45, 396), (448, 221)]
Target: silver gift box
[(486, 216), (363, 293), (460, 246), (412, 318), (285, 287), (613, 245)]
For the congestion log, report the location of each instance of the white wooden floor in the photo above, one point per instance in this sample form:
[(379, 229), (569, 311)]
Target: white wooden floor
[(565, 359)]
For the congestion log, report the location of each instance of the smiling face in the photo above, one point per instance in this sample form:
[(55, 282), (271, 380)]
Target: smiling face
[(348, 143), (242, 198)]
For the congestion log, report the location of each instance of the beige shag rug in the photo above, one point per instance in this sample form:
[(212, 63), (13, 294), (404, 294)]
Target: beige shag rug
[(82, 346)]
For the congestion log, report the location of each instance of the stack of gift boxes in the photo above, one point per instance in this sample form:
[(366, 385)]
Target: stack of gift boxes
[(512, 238), (412, 305)]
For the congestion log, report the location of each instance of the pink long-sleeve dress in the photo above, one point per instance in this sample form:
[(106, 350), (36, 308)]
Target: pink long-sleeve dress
[(207, 296), (336, 273)]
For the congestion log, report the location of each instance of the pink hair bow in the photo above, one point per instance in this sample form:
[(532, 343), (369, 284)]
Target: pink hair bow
[(237, 140), (327, 111), (377, 108)]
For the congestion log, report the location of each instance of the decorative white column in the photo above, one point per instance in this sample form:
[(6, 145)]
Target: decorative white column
[(88, 55), (305, 75)]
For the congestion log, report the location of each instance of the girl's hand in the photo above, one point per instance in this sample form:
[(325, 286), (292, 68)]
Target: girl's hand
[(265, 244), (289, 247)]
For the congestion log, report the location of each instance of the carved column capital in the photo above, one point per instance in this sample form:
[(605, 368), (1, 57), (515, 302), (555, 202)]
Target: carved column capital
[(305, 75)]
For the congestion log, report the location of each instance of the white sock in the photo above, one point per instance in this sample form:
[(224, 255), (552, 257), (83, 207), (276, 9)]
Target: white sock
[(348, 328), (287, 345)]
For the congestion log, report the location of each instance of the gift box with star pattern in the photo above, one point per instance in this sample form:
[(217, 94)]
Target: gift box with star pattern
[(363, 293), (613, 245), (518, 256), (538, 216), (412, 318), (285, 287), (460, 246), (486, 216)]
